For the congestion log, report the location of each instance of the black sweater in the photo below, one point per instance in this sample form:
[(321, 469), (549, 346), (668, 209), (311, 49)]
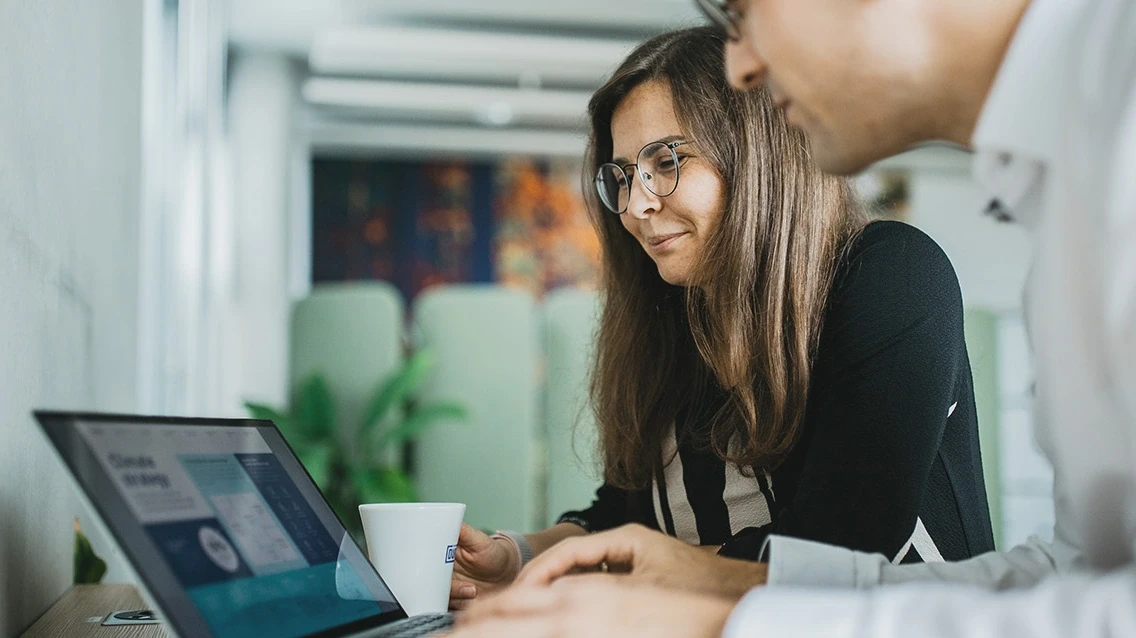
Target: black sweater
[(888, 458)]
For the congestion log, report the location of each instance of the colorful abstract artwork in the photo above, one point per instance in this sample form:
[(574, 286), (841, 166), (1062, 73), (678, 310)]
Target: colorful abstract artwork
[(516, 222)]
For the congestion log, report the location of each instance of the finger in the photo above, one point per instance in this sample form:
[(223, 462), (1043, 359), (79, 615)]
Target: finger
[(472, 539), (611, 548), (594, 580), (513, 602), (461, 589), (460, 605)]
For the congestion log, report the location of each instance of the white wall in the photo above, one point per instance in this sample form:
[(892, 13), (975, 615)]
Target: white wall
[(70, 95), (261, 108), (1026, 475)]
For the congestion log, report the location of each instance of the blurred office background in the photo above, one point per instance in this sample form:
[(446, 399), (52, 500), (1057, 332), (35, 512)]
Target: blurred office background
[(205, 202)]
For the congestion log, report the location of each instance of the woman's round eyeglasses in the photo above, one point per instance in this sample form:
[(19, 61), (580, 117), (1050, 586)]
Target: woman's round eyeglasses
[(724, 15), (657, 166)]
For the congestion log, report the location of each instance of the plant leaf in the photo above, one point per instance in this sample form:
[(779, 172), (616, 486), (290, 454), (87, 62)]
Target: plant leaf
[(368, 487), (397, 485), (89, 568), (317, 459), (314, 409), (384, 485), (419, 420), (395, 389), (348, 511)]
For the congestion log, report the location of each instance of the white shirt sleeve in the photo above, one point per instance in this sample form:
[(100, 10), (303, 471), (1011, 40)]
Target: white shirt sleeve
[(1102, 606), (798, 563)]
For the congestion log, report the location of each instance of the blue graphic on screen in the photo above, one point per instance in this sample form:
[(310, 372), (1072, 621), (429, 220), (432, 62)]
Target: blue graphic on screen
[(264, 565), (189, 556), (290, 507)]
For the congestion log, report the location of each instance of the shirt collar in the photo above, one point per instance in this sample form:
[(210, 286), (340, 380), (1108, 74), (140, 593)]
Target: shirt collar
[(1019, 128), (1021, 115)]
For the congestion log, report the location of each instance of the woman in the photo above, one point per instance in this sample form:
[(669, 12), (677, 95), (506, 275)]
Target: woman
[(766, 361)]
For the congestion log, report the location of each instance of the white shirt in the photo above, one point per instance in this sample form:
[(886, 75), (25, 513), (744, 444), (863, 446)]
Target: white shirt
[(1056, 145)]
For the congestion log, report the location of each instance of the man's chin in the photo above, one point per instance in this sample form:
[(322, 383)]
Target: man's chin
[(850, 155), (844, 160)]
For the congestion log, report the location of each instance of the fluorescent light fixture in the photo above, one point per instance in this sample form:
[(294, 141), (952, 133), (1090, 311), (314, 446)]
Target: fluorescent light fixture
[(432, 53), (333, 137), (632, 15), (495, 106)]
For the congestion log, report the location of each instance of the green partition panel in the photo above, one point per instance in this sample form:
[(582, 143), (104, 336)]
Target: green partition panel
[(569, 317), (485, 340), (352, 334), (982, 348)]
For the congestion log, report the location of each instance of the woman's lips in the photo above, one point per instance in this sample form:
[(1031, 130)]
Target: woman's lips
[(662, 242)]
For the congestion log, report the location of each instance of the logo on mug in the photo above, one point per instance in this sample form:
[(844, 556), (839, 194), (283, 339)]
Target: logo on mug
[(451, 550)]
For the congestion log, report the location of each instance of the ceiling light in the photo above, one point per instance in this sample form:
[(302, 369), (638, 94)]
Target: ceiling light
[(334, 137), (415, 52), (449, 103), (632, 15)]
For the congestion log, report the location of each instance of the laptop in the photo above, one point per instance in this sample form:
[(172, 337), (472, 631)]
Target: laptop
[(225, 530)]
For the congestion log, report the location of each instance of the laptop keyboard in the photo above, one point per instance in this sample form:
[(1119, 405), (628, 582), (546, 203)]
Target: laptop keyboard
[(414, 627)]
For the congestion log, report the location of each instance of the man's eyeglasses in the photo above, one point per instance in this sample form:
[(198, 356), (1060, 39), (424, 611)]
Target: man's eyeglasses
[(657, 166), (724, 15)]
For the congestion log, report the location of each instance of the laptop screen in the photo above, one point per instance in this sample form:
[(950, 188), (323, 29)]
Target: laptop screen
[(224, 526)]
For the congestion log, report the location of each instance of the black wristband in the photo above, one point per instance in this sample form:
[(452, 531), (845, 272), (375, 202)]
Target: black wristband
[(745, 545)]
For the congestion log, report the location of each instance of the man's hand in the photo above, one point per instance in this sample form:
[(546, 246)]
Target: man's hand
[(646, 556), (599, 605)]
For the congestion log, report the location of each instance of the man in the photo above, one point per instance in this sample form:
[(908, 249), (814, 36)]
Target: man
[(1044, 91)]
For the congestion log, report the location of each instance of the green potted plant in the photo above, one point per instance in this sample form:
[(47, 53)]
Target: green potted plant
[(89, 567), (354, 467)]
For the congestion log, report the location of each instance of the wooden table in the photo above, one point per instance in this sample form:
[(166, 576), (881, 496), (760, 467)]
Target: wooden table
[(81, 610)]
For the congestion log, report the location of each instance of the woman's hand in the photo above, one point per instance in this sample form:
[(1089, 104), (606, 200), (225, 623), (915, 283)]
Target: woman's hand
[(482, 564)]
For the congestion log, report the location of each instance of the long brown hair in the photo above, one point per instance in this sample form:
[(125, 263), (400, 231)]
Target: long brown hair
[(749, 323)]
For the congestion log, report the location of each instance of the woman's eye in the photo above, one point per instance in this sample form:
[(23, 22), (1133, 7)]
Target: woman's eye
[(668, 165)]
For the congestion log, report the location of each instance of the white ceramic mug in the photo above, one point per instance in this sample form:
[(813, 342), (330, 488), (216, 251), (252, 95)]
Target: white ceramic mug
[(412, 545)]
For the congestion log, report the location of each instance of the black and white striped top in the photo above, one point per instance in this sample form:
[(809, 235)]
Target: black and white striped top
[(888, 460)]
